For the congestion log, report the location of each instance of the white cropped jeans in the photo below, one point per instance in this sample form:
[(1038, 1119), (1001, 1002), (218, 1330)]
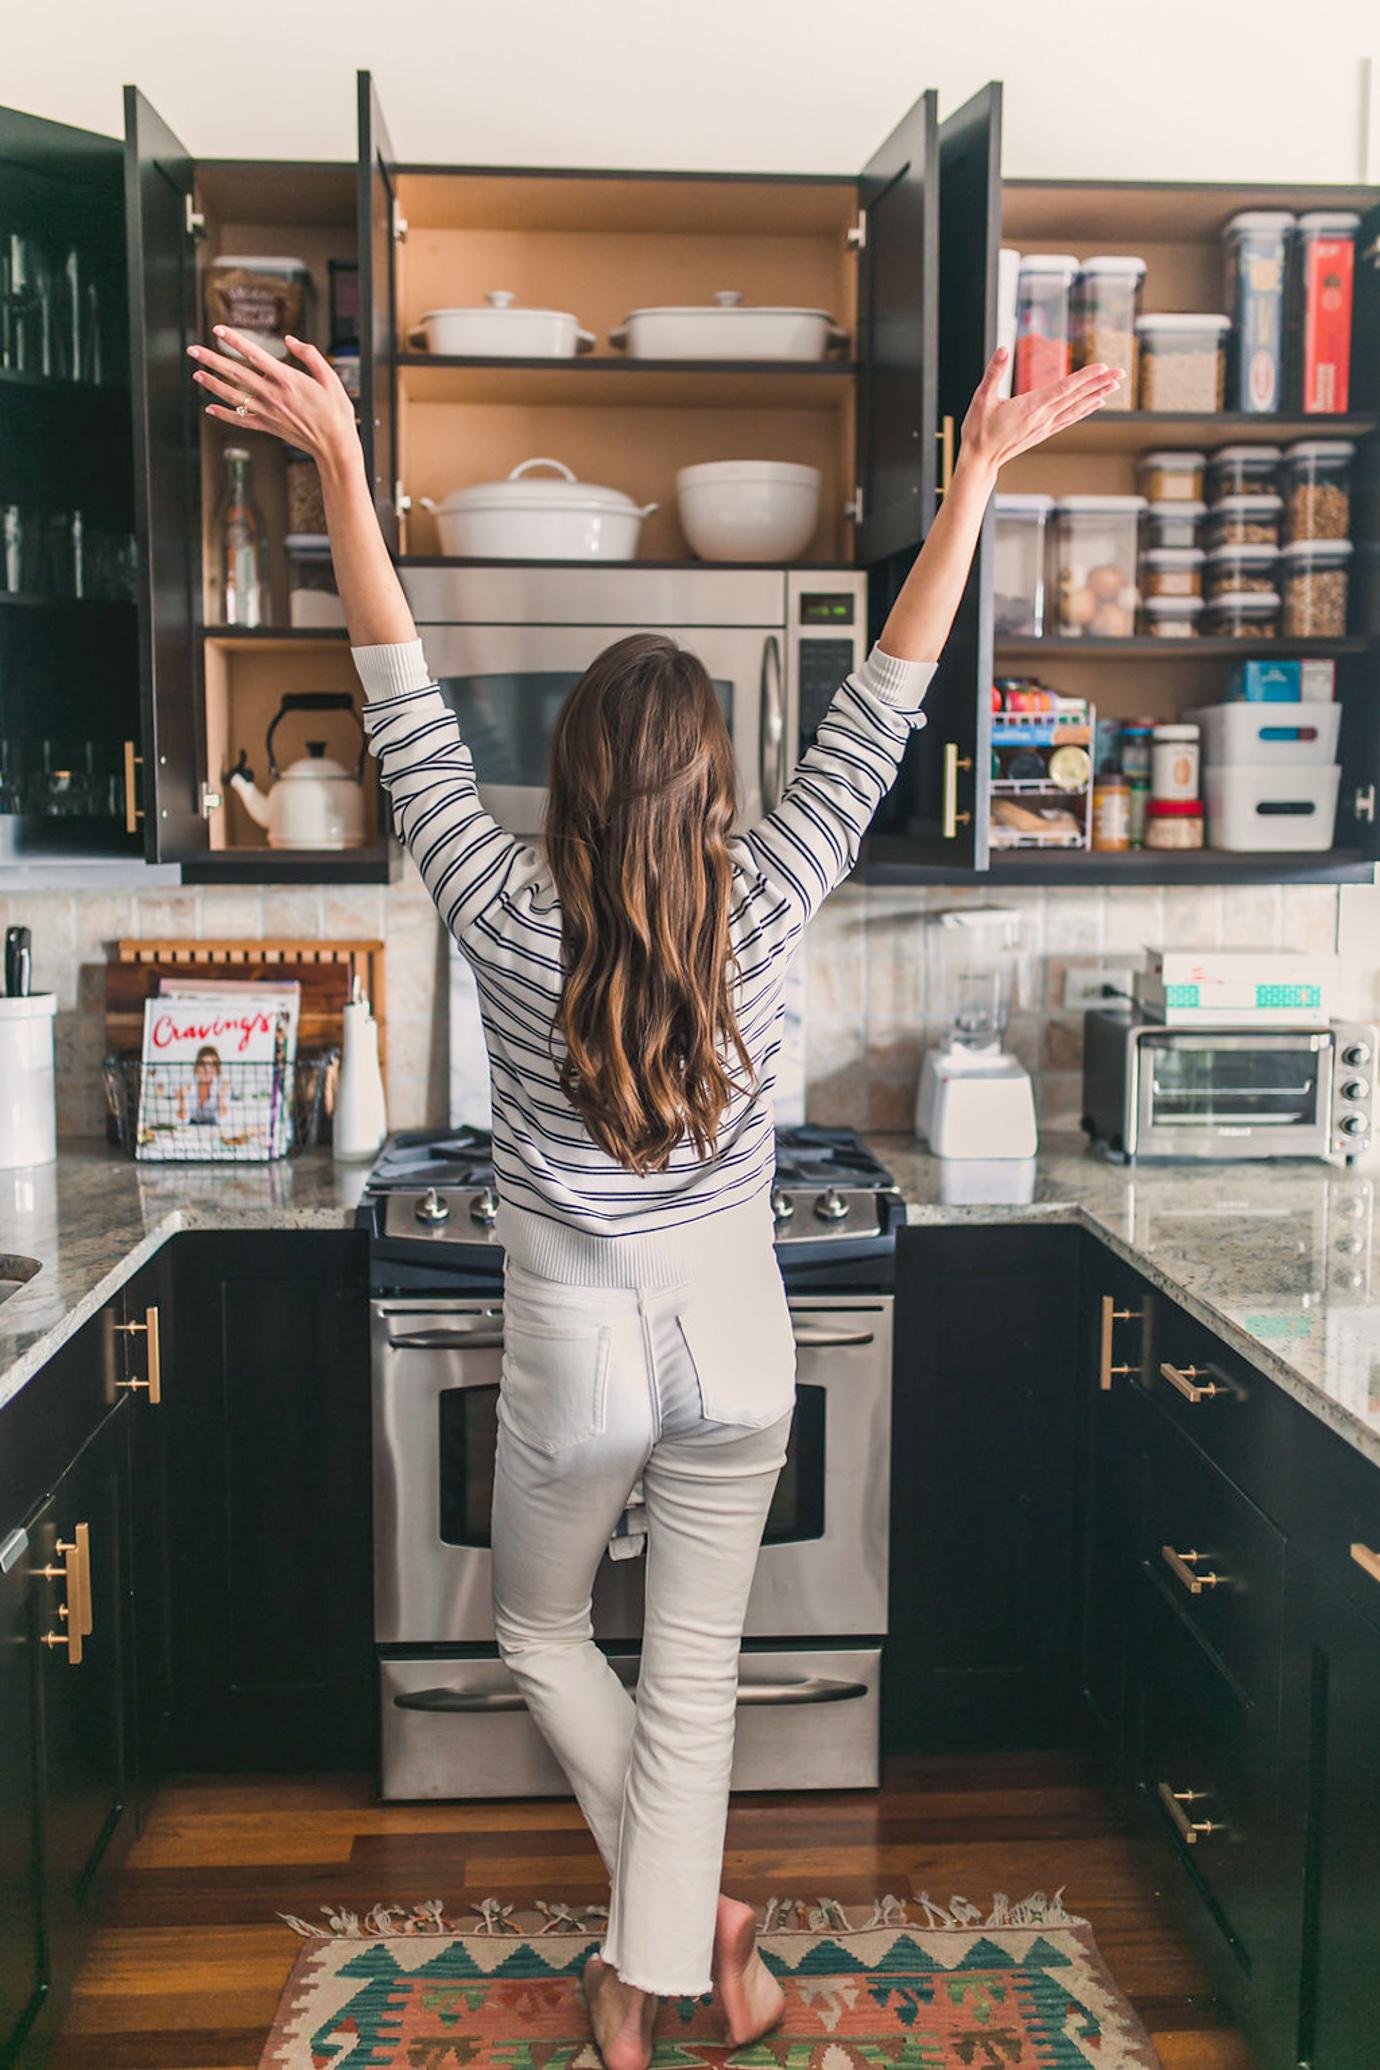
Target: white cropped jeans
[(690, 1389)]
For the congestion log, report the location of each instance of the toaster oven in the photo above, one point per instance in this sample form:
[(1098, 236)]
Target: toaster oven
[(1150, 1091)]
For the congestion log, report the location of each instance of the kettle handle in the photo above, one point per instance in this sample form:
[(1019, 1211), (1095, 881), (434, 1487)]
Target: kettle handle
[(317, 701)]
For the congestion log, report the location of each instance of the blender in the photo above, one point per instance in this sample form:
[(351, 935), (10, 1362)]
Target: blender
[(975, 1099)]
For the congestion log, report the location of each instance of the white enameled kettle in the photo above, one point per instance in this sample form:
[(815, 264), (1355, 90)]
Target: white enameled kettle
[(316, 802)]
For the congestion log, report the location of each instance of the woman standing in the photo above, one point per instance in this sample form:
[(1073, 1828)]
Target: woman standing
[(630, 981)]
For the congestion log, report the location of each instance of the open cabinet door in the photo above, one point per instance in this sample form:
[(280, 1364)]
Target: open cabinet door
[(898, 302), (377, 320), (160, 241)]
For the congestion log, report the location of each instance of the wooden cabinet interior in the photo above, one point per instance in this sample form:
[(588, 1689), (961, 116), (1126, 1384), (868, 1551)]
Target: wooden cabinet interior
[(244, 683), (600, 247)]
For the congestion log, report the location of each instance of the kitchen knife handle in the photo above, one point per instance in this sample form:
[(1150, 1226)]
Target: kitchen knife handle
[(18, 962)]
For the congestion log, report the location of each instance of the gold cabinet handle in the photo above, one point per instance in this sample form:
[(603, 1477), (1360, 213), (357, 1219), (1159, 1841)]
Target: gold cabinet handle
[(134, 811), (953, 762), (154, 1381), (1366, 1560), (1189, 1385), (75, 1574), (945, 435), (1189, 1830), (1184, 1568), (1112, 1315)]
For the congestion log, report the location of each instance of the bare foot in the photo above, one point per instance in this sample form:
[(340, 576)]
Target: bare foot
[(752, 1999), (621, 2015)]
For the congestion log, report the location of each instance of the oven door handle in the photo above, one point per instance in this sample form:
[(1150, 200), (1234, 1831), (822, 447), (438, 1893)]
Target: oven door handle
[(771, 722), (830, 1340), (448, 1340), (812, 1689)]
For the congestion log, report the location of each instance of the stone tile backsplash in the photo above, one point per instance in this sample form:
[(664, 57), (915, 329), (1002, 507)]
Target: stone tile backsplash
[(867, 1017)]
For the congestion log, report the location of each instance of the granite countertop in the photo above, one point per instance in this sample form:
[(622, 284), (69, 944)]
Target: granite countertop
[(1283, 1261)]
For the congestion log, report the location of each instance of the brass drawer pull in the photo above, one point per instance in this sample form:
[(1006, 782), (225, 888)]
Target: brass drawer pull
[(75, 1574), (1181, 1566), (1111, 1315), (1189, 1830), (154, 1382), (134, 811), (1186, 1380), (1366, 1560), (953, 819)]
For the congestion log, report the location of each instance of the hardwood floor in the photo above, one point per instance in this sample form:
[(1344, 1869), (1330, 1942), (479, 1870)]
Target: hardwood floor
[(187, 1972)]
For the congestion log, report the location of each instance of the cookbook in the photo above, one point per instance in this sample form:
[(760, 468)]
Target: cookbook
[(217, 1073)]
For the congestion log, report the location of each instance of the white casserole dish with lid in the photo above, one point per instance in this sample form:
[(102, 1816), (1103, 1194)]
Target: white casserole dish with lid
[(502, 329), (541, 520), (727, 328)]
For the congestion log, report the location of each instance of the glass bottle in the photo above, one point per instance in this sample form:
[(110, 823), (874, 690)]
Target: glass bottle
[(241, 546)]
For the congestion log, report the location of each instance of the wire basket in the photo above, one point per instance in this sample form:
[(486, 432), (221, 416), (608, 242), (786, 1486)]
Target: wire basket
[(244, 1114)]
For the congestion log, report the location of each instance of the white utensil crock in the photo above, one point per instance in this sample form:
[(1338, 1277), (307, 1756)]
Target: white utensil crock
[(28, 1117)]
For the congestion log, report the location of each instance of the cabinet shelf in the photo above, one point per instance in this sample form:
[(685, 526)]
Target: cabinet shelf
[(30, 387), (885, 864), (269, 637), (1145, 647), (90, 607), (599, 382), (1142, 431)]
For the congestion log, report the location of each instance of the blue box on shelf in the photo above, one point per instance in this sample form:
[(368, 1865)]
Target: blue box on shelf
[(1283, 682)]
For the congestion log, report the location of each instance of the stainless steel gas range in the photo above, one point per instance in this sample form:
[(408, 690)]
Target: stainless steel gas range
[(453, 1724)]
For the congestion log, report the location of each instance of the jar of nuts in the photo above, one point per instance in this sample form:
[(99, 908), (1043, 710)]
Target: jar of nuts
[(1242, 471), (1172, 477), (1094, 565), (1316, 476), (1171, 571), (1244, 521), (1182, 361), (1252, 616), (1237, 570), (1314, 582)]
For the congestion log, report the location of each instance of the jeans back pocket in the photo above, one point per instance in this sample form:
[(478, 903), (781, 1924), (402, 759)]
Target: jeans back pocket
[(743, 1352), (554, 1382)]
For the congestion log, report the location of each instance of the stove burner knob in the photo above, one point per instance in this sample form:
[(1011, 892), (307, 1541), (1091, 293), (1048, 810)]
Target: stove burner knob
[(831, 1206), (782, 1206), (431, 1209), (484, 1207)]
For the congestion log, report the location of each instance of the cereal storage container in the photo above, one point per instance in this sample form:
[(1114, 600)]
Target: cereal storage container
[(1242, 471), (1106, 303), (1172, 524), (1171, 477), (1171, 618), (1322, 275), (1253, 615), (1316, 479), (1020, 556), (1094, 558), (1043, 317), (1243, 521), (1182, 361), (1171, 571), (1240, 570), (1313, 578), (1256, 244)]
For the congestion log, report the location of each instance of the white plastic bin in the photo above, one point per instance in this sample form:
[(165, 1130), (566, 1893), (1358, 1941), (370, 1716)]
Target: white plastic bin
[(1269, 736), (1250, 808)]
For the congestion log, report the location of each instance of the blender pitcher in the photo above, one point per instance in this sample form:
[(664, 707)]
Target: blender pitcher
[(975, 1098)]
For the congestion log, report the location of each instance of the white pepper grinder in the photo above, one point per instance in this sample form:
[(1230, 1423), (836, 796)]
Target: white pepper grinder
[(361, 1116)]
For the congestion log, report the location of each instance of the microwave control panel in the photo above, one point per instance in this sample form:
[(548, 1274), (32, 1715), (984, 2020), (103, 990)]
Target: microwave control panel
[(827, 628)]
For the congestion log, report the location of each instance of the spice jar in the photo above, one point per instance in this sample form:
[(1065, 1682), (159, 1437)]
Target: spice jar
[(1316, 478), (1171, 618), (1242, 471), (1172, 571), (1172, 477), (1236, 616), (1174, 823), (1172, 524), (1244, 521), (1174, 762), (1106, 303), (1182, 361), (1111, 833), (1314, 581), (1239, 569)]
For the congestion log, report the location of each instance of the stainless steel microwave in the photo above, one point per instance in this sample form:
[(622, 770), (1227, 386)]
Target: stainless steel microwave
[(1223, 1093), (508, 644)]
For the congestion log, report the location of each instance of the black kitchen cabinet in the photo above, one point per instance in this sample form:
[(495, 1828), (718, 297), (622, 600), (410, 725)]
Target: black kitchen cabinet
[(267, 1404), (146, 1353), (984, 1556)]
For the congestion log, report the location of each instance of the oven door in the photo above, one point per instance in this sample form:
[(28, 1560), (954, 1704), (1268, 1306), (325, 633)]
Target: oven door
[(1205, 1094), (507, 683)]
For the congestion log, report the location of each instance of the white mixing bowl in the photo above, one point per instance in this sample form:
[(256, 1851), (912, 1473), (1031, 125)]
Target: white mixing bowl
[(748, 510)]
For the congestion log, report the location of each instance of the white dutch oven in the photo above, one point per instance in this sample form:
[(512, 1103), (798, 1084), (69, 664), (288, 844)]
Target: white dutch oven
[(565, 520), (501, 330), (748, 510), (724, 329)]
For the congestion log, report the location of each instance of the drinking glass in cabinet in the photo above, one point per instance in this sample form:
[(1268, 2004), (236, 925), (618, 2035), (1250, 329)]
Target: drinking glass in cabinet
[(1021, 550), (1094, 560), (26, 308)]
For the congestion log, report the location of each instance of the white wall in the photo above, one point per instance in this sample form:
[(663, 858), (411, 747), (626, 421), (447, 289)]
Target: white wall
[(1189, 89)]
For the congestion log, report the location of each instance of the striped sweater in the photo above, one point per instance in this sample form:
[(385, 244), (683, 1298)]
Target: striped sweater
[(566, 1209)]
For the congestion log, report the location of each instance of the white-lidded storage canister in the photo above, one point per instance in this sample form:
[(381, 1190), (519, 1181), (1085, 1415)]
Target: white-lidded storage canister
[(28, 1114)]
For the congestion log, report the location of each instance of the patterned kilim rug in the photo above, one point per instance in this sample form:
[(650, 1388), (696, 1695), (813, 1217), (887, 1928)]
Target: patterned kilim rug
[(909, 1986)]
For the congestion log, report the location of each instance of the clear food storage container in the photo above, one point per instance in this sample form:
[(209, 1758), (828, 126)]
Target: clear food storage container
[(1322, 259), (1106, 303), (1242, 471), (1171, 477), (1172, 524), (1171, 618), (1253, 808), (1268, 735), (313, 600), (1253, 615), (1313, 578), (1182, 362), (1171, 571), (1257, 243), (1243, 521), (1094, 558), (1020, 559), (266, 297), (1315, 476), (1044, 349), (1240, 570)]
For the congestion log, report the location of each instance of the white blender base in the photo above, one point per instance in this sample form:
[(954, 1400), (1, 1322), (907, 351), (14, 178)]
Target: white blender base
[(976, 1104)]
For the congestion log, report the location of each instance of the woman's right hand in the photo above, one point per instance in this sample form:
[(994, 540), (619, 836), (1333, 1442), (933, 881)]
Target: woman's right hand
[(307, 406)]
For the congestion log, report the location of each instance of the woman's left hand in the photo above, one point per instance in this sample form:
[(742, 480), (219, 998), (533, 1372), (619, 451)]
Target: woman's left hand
[(995, 429)]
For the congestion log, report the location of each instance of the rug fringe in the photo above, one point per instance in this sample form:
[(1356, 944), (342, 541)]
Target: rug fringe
[(492, 1915)]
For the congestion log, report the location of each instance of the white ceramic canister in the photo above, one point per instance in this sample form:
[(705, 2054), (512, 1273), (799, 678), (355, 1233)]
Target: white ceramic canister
[(1174, 762), (28, 1117)]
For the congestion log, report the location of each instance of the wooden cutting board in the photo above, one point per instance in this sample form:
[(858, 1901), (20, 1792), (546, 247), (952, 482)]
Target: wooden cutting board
[(324, 970)]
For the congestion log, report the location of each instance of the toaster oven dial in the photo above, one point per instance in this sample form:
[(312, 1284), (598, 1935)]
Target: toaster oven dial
[(1355, 1089), (1356, 1053)]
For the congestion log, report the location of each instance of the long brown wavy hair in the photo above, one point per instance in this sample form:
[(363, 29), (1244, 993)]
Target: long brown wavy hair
[(640, 805)]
